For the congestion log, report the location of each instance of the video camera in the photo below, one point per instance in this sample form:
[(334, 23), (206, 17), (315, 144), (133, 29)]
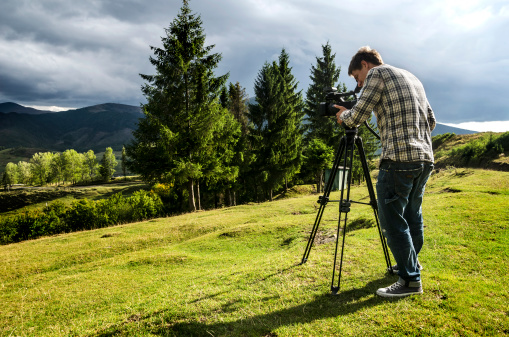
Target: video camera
[(333, 97)]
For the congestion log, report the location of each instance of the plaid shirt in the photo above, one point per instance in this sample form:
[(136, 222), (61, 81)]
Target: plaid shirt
[(404, 117)]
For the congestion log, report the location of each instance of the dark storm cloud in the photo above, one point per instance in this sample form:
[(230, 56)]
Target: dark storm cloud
[(56, 52)]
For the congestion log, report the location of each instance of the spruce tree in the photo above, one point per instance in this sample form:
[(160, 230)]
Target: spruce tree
[(182, 114), (325, 74), (276, 125), (288, 122), (238, 107), (259, 130), (238, 104)]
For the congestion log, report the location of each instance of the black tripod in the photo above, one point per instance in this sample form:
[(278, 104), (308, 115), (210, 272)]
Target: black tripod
[(345, 154)]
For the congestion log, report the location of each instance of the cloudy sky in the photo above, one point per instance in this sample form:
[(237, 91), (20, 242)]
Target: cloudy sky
[(72, 54)]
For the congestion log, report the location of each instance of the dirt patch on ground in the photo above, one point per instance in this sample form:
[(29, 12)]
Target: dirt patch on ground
[(325, 236)]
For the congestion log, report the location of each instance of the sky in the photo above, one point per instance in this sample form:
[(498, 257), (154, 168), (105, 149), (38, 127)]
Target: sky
[(60, 54)]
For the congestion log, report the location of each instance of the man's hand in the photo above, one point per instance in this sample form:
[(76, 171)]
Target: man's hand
[(341, 110)]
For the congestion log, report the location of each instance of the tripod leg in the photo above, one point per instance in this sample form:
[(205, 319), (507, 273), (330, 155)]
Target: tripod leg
[(323, 200), (344, 207), (373, 202)]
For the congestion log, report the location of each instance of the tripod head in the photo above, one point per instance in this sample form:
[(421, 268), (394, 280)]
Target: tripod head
[(352, 132)]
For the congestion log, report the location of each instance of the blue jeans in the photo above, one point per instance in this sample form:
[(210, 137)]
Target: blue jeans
[(400, 189)]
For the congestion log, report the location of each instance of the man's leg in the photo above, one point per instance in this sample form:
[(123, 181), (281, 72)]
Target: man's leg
[(413, 210), (394, 186), (400, 188)]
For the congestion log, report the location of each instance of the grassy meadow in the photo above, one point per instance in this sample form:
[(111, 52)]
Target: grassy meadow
[(235, 272)]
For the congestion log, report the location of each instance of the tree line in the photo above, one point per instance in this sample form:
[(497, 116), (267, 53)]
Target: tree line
[(200, 134), (65, 167)]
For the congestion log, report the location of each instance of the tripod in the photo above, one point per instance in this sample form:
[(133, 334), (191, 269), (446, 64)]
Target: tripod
[(345, 154)]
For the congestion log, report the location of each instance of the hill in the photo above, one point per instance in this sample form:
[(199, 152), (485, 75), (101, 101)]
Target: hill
[(235, 272), (487, 150), (95, 127), (440, 129), (14, 107)]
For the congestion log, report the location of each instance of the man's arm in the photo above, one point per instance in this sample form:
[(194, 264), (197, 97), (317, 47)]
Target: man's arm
[(369, 98)]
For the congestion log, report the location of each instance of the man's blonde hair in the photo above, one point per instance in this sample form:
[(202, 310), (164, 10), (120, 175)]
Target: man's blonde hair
[(364, 54)]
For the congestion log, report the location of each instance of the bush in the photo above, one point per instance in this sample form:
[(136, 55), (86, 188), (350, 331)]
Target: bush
[(145, 205), (9, 231), (481, 149), (81, 215)]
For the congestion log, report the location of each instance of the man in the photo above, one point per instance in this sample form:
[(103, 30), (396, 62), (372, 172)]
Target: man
[(405, 121)]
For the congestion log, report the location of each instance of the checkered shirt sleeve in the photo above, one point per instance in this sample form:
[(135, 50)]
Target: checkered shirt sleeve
[(404, 117)]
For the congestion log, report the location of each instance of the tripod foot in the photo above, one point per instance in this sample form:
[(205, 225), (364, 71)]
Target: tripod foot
[(334, 290)]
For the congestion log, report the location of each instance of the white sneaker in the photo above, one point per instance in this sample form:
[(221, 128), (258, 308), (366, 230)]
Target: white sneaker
[(401, 288)]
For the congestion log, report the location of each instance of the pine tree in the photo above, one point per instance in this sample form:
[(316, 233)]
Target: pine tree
[(288, 123), (324, 75), (238, 104), (276, 133), (238, 107), (182, 112), (265, 94)]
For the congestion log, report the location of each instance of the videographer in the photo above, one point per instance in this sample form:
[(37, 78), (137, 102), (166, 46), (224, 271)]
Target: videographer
[(405, 121)]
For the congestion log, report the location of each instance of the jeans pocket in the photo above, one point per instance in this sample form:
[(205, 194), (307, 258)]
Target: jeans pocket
[(405, 179)]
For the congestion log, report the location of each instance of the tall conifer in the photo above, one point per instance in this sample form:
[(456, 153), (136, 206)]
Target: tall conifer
[(325, 74), (288, 122), (276, 124), (182, 113)]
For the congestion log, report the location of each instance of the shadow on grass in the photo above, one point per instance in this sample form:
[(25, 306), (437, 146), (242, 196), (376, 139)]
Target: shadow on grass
[(320, 307)]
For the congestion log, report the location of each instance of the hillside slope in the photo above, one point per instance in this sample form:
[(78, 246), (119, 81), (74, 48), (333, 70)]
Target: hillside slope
[(235, 272), (487, 150)]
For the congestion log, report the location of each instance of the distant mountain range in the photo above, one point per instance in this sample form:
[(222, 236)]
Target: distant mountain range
[(90, 128)]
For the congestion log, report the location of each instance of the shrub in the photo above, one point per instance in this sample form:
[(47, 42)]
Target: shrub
[(479, 150), (503, 141), (8, 231), (145, 205), (81, 215)]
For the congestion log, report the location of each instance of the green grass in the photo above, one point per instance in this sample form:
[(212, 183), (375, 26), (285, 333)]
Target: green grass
[(235, 272)]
